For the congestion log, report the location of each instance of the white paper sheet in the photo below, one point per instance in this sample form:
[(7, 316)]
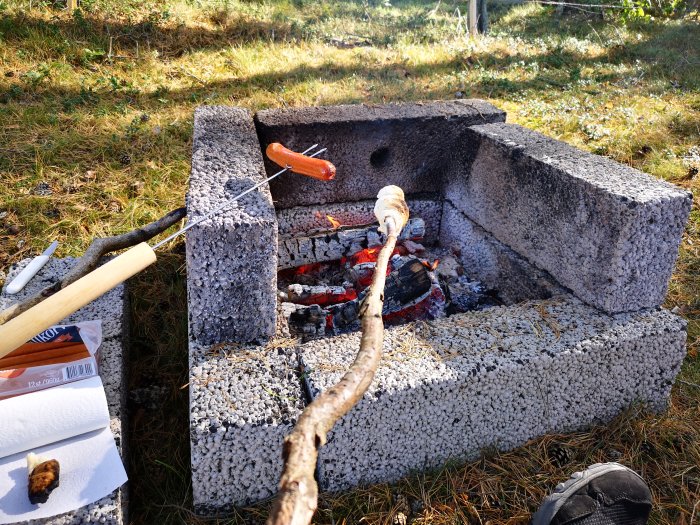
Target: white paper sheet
[(51, 415), (69, 423), (90, 470)]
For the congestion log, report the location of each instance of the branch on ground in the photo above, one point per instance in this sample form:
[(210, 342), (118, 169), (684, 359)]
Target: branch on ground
[(89, 261), (297, 498)]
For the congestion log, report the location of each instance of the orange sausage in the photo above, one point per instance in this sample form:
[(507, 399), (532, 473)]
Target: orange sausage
[(30, 348), (28, 359), (59, 360), (298, 163)]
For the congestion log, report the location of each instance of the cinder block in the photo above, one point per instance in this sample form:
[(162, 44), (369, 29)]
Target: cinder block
[(243, 401), (606, 231), (494, 378), (231, 258), (409, 145), (113, 310), (491, 262)]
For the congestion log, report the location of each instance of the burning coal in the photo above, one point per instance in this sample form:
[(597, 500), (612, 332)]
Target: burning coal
[(324, 298)]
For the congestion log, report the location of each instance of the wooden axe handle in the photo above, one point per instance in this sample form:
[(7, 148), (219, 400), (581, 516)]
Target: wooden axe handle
[(51, 310)]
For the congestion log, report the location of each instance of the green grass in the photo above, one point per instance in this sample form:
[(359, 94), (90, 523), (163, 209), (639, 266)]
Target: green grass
[(110, 134)]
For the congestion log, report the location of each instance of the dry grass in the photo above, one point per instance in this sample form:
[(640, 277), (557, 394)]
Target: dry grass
[(98, 105)]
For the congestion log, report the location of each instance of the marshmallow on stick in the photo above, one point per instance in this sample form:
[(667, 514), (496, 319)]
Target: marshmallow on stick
[(391, 205), (297, 498)]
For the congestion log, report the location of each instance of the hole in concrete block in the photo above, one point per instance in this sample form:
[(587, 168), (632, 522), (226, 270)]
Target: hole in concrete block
[(380, 157)]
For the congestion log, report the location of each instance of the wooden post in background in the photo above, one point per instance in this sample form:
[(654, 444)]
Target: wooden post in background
[(483, 17), (473, 18), (72, 5)]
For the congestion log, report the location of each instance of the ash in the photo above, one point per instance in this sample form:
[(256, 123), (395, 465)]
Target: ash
[(321, 299)]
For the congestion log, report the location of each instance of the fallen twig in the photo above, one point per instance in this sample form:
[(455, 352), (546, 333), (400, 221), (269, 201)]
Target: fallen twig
[(89, 261)]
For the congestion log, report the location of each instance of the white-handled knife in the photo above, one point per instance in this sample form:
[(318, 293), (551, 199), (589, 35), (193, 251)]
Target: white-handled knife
[(30, 270)]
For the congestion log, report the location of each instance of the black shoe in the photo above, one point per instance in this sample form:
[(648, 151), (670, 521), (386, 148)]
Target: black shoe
[(603, 494)]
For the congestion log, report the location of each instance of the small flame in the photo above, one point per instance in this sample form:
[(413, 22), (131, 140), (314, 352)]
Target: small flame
[(365, 256), (334, 223), (432, 267)]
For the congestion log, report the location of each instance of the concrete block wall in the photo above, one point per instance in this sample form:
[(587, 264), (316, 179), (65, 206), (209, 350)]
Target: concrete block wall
[(231, 258), (529, 216), (490, 261), (113, 310), (606, 231), (243, 401), (409, 145), (495, 378)]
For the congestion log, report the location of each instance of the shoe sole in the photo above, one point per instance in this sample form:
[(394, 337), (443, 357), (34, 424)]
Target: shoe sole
[(563, 491)]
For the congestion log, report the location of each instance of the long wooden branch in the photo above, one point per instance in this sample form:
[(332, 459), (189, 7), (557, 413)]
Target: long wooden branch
[(91, 258), (297, 498)]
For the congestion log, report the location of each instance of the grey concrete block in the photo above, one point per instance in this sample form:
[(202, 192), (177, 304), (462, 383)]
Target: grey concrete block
[(494, 378), (113, 310), (409, 145), (231, 259), (527, 215), (243, 401), (491, 262), (608, 232)]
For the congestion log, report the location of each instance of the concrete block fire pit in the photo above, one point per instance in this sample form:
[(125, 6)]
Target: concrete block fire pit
[(577, 248)]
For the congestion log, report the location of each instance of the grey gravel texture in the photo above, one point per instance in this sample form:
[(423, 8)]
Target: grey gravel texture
[(491, 262), (495, 378), (408, 144), (112, 310), (231, 259), (306, 220), (606, 231), (243, 401)]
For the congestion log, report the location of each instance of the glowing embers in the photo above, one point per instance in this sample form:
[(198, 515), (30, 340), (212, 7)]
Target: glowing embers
[(322, 295), (324, 298)]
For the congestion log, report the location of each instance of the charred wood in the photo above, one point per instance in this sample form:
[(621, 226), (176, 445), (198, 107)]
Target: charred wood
[(405, 287), (321, 295), (339, 243)]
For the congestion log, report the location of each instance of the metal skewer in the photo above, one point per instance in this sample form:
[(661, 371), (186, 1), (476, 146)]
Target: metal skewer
[(26, 325), (234, 199)]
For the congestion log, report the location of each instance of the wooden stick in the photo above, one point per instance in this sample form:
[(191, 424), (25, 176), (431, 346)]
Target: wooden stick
[(91, 258), (297, 498), (22, 328)]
